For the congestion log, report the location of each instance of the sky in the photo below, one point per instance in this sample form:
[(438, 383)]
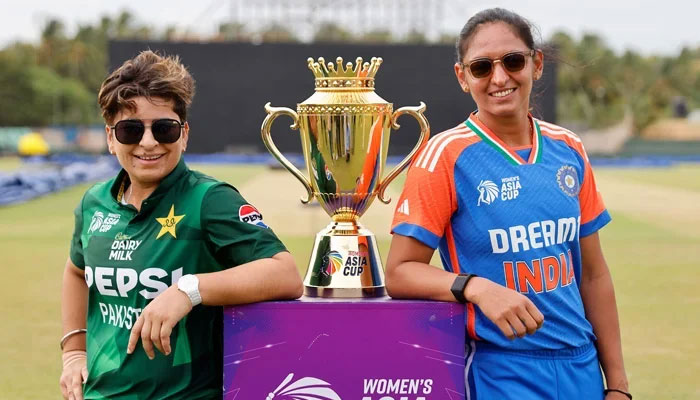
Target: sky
[(646, 26)]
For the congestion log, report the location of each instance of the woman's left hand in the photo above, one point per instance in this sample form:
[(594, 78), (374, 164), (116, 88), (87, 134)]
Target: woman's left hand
[(156, 322)]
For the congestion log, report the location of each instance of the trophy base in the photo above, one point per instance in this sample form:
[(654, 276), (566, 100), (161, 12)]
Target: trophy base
[(345, 263), (315, 291)]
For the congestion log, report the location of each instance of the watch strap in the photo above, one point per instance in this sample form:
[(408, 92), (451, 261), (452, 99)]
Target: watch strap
[(191, 288), (458, 286)]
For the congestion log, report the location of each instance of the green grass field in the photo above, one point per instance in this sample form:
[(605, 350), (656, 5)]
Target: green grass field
[(652, 247)]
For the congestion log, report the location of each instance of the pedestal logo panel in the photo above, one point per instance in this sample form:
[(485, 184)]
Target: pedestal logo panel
[(317, 349)]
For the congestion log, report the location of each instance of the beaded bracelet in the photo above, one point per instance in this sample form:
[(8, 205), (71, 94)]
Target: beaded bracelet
[(606, 391)]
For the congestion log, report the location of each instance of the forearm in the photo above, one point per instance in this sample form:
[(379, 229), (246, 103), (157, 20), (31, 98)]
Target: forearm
[(74, 296), (413, 279), (598, 297), (275, 278)]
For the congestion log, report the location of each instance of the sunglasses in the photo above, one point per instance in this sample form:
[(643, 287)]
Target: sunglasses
[(130, 131), (512, 62)]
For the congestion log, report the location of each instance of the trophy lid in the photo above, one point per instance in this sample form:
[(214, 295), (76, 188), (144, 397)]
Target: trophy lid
[(332, 77)]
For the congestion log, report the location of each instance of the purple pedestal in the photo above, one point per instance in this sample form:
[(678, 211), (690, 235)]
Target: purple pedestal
[(344, 349)]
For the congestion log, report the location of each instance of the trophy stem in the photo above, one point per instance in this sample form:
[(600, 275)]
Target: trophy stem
[(345, 262)]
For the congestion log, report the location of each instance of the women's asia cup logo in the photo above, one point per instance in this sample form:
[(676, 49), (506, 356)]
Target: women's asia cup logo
[(333, 261), (306, 388)]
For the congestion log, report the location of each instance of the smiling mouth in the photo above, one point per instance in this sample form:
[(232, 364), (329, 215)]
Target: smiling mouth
[(148, 158), (503, 93)]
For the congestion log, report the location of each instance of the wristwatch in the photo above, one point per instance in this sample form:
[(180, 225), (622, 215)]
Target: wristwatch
[(458, 286), (189, 284)]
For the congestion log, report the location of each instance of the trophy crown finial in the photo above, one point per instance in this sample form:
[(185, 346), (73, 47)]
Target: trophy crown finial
[(365, 70), (335, 76)]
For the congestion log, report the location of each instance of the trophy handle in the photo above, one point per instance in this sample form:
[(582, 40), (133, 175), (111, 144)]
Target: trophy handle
[(417, 113), (272, 113)]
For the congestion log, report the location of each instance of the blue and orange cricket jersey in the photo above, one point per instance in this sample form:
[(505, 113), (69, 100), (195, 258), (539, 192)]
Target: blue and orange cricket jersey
[(513, 216)]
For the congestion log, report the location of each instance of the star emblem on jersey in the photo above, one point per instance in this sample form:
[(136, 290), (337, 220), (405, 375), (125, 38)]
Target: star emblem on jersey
[(568, 180), (169, 223)]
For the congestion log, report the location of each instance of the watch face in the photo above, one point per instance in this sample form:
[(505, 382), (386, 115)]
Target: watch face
[(188, 283)]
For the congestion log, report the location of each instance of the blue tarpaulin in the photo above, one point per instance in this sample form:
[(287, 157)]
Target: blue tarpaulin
[(40, 176)]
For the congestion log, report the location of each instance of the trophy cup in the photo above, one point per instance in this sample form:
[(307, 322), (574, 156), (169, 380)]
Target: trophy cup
[(345, 128)]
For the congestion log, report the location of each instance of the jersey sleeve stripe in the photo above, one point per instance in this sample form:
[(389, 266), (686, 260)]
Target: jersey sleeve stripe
[(471, 321), (452, 249), (444, 144), (557, 128), (417, 232), (434, 143), (569, 138), (595, 224), (431, 145)]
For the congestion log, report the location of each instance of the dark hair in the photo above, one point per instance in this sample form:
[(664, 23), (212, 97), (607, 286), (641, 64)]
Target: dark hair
[(521, 27), (148, 75)]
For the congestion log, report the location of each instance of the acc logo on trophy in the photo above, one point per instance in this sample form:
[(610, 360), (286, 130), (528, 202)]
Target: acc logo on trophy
[(333, 261), (251, 215)]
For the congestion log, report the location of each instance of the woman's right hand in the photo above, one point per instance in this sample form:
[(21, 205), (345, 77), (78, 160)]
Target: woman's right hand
[(513, 313), (74, 374)]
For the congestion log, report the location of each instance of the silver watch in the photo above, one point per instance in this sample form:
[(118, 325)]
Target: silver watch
[(189, 284)]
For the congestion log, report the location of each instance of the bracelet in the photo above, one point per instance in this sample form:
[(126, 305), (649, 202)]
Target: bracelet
[(606, 391), (71, 333)]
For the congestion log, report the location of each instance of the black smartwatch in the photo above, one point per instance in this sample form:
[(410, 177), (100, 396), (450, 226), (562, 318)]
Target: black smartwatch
[(458, 286)]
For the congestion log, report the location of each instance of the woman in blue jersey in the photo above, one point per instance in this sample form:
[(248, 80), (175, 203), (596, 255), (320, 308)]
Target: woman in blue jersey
[(154, 250), (511, 203)]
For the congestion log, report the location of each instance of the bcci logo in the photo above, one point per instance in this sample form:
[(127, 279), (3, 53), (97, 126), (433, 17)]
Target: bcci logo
[(568, 180), (488, 192), (303, 389), (332, 262), (96, 222)]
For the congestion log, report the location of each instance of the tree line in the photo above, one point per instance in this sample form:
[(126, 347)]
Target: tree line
[(55, 81)]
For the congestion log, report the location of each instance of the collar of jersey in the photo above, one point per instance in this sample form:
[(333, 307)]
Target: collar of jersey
[(165, 185), (497, 144)]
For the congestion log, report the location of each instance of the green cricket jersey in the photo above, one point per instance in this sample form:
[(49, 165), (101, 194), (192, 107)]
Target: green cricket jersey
[(190, 224)]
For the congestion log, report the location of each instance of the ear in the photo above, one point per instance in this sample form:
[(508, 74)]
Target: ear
[(110, 139), (538, 59), (461, 74), (185, 135)]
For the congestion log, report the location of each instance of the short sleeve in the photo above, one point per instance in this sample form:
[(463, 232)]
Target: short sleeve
[(427, 203), (234, 229), (76, 244), (593, 213)]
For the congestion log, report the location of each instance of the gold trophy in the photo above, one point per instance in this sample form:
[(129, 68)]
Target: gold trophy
[(345, 128)]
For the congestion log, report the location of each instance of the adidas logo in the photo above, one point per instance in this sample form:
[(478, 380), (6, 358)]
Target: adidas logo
[(403, 209)]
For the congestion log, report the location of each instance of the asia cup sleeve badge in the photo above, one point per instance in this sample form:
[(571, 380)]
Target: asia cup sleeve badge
[(251, 215), (567, 178)]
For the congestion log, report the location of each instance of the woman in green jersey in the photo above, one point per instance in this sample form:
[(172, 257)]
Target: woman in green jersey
[(153, 243)]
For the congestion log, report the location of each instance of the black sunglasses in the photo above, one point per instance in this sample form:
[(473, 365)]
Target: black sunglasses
[(130, 131), (513, 62)]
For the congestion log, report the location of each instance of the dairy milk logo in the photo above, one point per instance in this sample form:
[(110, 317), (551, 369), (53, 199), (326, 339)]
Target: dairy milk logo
[(96, 222), (251, 215), (303, 389), (488, 192)]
